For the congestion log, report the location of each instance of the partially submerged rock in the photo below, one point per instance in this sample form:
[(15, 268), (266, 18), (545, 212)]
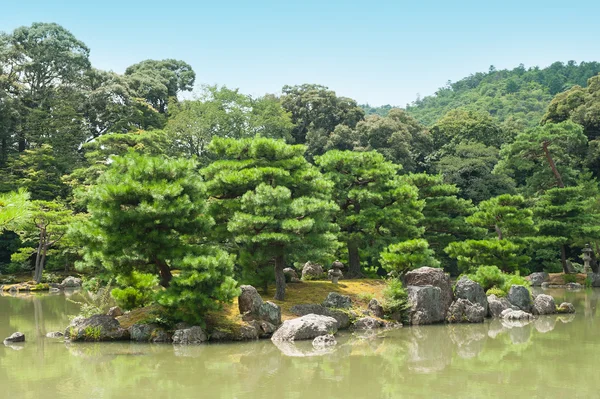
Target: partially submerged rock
[(511, 314), (471, 291), (520, 297), (71, 282), (305, 327), (55, 334), (464, 311), (190, 336), (96, 328), (543, 304), (425, 276), (335, 300), (497, 305), (565, 307), (149, 333), (368, 323), (14, 338), (426, 305), (342, 318)]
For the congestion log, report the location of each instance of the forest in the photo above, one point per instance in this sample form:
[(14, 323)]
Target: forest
[(178, 202)]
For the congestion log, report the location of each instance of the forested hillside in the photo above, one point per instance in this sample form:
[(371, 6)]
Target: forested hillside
[(115, 174)]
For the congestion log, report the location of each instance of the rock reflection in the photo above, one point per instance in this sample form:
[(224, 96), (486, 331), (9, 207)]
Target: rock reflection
[(469, 339), (302, 349), (428, 349), (544, 324)]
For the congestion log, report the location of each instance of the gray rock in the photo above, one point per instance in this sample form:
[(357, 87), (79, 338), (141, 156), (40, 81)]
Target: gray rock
[(115, 311), (435, 277), (270, 312), (188, 336), (464, 311), (426, 305), (324, 341), (566, 307), (305, 327), (55, 334), (595, 278), (520, 297), (545, 285), (497, 305), (368, 323), (343, 319), (312, 271), (471, 291), (142, 332), (96, 328), (249, 300), (574, 286), (161, 336), (538, 278), (264, 328), (543, 304), (71, 282), (15, 337), (335, 300), (291, 273), (375, 308), (511, 314)]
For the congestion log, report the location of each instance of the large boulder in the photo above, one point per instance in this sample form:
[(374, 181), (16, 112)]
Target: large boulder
[(148, 333), (15, 337), (520, 297), (71, 282), (249, 300), (464, 311), (96, 328), (538, 278), (270, 312), (290, 273), (565, 307), (471, 291), (426, 305), (516, 315), (497, 305), (343, 320), (305, 327), (435, 277), (312, 271), (190, 336), (375, 308), (335, 300), (543, 304)]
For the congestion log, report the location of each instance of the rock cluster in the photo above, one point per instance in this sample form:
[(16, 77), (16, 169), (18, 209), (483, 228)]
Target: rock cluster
[(96, 328), (305, 327)]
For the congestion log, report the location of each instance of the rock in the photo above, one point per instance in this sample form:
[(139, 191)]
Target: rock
[(435, 277), (96, 328), (574, 286), (375, 308), (464, 311), (188, 336), (342, 318), (538, 278), (471, 291), (543, 304), (305, 327), (161, 336), (55, 334), (595, 279), (295, 280), (497, 305), (115, 311), (249, 300), (335, 300), (248, 332), (368, 323), (270, 312), (545, 285), (143, 332), (426, 305), (520, 297), (566, 307), (324, 341), (15, 337), (511, 314), (312, 271), (264, 328), (291, 273), (71, 282)]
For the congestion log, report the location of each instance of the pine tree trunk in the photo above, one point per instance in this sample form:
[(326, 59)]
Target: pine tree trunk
[(563, 259), (38, 255), (165, 273), (40, 266), (279, 278), (557, 176), (353, 261)]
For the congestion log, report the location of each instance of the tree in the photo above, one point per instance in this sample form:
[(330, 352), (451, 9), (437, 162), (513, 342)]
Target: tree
[(408, 255), (376, 206), (14, 209), (46, 226), (444, 215), (544, 157), (275, 205), (506, 216), (149, 215)]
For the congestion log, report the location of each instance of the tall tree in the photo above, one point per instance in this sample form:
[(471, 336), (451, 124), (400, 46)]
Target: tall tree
[(275, 205), (377, 207)]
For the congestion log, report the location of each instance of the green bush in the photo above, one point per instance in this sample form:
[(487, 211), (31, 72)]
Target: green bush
[(395, 298), (94, 299), (514, 279), (570, 278), (488, 277), (138, 290), (408, 255), (496, 291)]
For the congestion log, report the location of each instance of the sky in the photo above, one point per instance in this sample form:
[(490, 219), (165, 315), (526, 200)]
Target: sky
[(383, 52)]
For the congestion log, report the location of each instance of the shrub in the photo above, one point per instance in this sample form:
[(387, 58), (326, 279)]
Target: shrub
[(138, 290), (496, 291), (488, 277), (514, 279), (95, 299), (395, 298), (408, 255), (569, 278)]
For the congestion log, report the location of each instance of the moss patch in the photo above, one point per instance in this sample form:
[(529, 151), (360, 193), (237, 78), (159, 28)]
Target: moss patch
[(140, 316)]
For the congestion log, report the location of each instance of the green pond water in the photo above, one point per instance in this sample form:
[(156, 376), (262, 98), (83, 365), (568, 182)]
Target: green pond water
[(552, 357)]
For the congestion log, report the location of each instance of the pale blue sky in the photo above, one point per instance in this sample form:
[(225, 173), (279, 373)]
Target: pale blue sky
[(377, 52)]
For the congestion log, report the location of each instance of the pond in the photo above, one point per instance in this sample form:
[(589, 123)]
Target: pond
[(553, 357)]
